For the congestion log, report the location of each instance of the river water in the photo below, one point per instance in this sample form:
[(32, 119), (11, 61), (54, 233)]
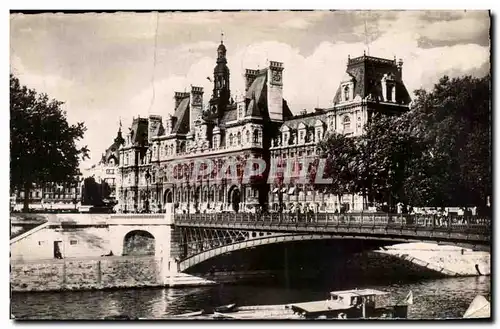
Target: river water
[(433, 298)]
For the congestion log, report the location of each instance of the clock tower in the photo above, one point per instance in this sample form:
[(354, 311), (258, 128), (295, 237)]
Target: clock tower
[(195, 106)]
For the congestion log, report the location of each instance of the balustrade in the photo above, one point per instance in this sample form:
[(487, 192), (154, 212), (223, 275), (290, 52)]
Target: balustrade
[(361, 220)]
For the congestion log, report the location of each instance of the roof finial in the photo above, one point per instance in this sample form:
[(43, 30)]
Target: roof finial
[(221, 37), (120, 126)]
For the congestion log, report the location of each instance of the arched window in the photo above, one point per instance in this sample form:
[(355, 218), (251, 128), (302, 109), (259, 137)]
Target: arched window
[(231, 139), (238, 138), (346, 122), (346, 93), (221, 194), (248, 136), (255, 136)]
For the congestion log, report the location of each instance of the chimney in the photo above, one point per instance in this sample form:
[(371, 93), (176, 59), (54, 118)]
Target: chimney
[(179, 96), (303, 112), (168, 125), (250, 76), (275, 91), (196, 105)]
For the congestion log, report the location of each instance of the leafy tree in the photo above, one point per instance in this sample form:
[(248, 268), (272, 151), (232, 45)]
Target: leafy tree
[(455, 126), (42, 143), (339, 151), (388, 152), (437, 154)]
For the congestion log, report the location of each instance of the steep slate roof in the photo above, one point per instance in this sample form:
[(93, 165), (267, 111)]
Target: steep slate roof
[(182, 115), (159, 130), (112, 150), (140, 131), (308, 119), (229, 114), (368, 72)]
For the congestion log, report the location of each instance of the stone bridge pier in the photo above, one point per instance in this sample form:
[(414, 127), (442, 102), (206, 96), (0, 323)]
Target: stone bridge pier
[(159, 228)]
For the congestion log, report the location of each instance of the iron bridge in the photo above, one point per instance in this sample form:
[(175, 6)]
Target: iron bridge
[(203, 236)]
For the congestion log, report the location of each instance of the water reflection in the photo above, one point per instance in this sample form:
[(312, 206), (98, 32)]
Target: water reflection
[(436, 298)]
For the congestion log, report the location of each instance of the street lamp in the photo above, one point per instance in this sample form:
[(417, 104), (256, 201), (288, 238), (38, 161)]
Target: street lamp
[(148, 177)]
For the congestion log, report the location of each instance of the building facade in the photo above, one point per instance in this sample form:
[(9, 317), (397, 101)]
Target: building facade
[(107, 169), (157, 159), (49, 196)]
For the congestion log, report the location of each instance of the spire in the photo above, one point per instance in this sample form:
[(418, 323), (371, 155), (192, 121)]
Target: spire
[(119, 138), (221, 73), (221, 51)]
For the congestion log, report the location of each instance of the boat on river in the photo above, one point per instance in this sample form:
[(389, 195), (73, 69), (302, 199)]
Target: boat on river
[(345, 304), (353, 304)]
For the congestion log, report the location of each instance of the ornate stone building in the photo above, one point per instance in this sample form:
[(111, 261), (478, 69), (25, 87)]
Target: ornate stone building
[(107, 169), (158, 157), (369, 85)]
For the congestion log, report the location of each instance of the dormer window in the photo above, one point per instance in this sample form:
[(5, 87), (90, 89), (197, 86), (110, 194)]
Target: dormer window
[(302, 133), (347, 88), (346, 93), (319, 134), (389, 88)]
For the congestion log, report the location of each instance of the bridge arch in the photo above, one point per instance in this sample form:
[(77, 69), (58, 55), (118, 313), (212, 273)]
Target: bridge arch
[(139, 243), (266, 238)]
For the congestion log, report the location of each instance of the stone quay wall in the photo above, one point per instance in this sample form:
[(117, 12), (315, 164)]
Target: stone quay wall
[(84, 274), (112, 273)]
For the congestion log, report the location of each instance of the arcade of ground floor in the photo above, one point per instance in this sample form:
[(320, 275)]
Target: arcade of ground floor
[(207, 198)]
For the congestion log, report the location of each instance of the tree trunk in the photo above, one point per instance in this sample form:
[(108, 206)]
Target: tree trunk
[(26, 201)]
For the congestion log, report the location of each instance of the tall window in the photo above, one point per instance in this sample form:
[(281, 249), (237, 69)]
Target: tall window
[(239, 138), (255, 136), (347, 124), (231, 139), (248, 136)]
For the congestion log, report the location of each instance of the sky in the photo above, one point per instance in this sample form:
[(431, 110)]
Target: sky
[(115, 66)]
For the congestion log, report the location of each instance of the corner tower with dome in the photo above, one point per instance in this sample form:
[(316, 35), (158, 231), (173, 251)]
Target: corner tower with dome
[(231, 129)]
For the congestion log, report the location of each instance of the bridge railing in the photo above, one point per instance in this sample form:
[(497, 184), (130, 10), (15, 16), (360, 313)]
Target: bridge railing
[(415, 221)]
